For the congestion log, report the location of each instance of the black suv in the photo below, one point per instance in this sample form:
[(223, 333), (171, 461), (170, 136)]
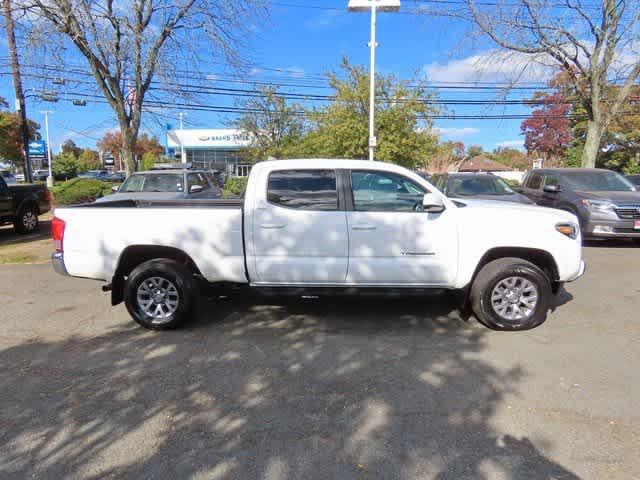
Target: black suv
[(605, 202)]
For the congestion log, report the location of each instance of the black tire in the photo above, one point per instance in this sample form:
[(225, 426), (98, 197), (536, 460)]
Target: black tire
[(27, 220), (172, 273), (491, 275)]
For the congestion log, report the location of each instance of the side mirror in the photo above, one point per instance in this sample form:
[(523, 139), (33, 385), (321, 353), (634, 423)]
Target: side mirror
[(115, 189), (432, 203), (196, 188), (551, 188)]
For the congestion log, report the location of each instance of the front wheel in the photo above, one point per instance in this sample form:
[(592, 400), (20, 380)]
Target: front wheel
[(27, 220), (159, 294), (511, 294)]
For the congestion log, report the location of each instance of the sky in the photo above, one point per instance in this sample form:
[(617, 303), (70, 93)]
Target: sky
[(302, 40)]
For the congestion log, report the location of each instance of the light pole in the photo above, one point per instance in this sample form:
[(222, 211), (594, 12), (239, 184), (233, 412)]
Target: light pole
[(373, 6), (49, 158), (183, 159)]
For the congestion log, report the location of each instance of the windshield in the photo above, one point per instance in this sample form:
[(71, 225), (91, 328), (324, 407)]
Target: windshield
[(598, 181), (159, 182), (477, 185)]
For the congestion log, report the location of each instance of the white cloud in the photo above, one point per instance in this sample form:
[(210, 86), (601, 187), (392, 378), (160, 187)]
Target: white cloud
[(511, 144), (456, 131), (491, 66)]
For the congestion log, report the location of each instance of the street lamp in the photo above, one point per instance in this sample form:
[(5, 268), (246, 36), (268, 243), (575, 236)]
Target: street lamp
[(183, 158), (49, 159), (373, 6)]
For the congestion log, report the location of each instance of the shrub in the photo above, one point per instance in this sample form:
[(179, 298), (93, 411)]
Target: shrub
[(234, 186), (80, 190)]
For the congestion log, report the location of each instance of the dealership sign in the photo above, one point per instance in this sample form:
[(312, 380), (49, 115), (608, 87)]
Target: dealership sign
[(223, 138), (37, 148)]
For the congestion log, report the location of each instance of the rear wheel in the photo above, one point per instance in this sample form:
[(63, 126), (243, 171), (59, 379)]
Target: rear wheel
[(159, 294), (27, 219), (511, 294)]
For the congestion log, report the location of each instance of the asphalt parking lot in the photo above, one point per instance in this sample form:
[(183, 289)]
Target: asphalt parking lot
[(320, 388)]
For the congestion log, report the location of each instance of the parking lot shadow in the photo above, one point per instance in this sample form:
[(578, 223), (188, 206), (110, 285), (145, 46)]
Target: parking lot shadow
[(8, 235), (307, 389)]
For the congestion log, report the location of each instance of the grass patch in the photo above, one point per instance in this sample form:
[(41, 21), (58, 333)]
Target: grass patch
[(17, 258)]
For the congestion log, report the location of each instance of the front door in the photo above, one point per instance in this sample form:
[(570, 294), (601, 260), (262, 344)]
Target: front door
[(391, 240), (300, 230)]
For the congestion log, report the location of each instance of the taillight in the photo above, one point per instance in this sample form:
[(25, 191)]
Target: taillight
[(57, 231)]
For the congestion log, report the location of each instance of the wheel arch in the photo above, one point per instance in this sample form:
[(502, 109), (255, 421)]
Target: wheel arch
[(135, 255), (540, 258)]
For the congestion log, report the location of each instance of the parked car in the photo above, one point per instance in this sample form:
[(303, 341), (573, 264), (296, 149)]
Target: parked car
[(484, 186), (323, 226), (165, 184), (97, 174), (21, 205), (635, 179), (605, 202), (117, 177), (8, 177), (40, 175)]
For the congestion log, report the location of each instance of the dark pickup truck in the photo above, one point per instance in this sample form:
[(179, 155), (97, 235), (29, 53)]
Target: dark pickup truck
[(21, 205)]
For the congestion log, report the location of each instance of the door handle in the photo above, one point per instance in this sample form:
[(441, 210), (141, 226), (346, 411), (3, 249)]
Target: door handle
[(364, 227), (271, 226)]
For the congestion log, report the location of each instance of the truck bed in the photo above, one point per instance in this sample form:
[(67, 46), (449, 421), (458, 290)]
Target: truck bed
[(210, 231)]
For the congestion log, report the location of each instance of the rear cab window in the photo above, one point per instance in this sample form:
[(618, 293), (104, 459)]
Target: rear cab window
[(303, 189)]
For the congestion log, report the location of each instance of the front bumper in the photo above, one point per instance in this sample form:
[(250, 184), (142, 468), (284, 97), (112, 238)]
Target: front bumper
[(581, 270), (618, 228), (57, 261)]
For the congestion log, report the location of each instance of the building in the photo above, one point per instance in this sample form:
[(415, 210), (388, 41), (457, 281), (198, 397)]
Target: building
[(212, 149)]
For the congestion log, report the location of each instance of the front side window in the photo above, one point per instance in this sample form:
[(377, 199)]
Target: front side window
[(535, 181), (385, 192), (303, 189), (197, 179), (551, 180)]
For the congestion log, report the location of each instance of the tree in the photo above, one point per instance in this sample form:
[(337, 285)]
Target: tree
[(403, 120), (71, 148), (511, 157), (548, 131), (592, 45), (274, 126), (11, 135), (65, 166), (125, 43), (88, 160), (474, 150), (622, 143), (113, 143)]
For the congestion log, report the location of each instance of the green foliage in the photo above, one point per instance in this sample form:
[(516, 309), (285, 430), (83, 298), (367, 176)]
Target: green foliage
[(234, 186), (10, 144), (65, 166), (341, 129), (80, 190), (88, 160), (574, 156), (148, 160), (403, 128)]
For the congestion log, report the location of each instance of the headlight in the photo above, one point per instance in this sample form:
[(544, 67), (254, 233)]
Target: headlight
[(600, 206), (569, 229)]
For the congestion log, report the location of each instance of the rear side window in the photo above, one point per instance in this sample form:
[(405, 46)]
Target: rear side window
[(303, 189), (534, 181)]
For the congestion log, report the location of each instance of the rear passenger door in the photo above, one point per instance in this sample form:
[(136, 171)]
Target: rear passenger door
[(300, 229)]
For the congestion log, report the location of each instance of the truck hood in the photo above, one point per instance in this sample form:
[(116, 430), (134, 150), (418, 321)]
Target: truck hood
[(520, 208), (512, 198), (114, 197), (614, 197)]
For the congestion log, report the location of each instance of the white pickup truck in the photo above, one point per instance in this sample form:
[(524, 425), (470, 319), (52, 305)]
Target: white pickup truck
[(332, 225)]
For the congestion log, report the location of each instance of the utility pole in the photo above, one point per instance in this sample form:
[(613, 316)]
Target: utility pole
[(17, 85), (49, 157)]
